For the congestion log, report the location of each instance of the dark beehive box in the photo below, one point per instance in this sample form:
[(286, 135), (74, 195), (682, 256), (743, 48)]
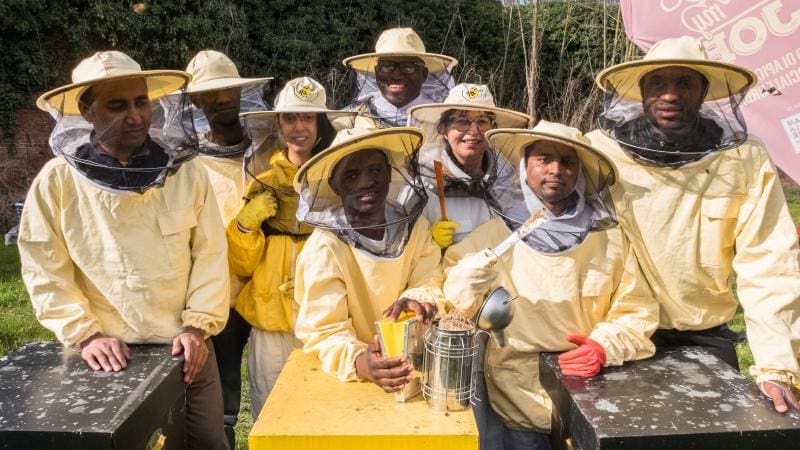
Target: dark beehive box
[(49, 398), (682, 398)]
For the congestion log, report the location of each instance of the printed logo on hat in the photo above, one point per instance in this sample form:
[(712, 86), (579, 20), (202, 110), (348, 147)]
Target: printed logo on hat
[(305, 91), (472, 93)]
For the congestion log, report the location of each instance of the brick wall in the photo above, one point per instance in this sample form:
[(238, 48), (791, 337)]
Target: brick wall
[(21, 157)]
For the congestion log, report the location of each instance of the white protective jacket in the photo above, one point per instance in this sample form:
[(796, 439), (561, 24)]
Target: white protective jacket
[(138, 267), (693, 227), (226, 178), (595, 289), (343, 291)]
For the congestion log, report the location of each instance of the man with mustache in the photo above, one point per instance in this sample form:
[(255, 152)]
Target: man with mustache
[(397, 76), (701, 202), (370, 256)]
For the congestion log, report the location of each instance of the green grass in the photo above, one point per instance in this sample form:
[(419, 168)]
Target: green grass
[(793, 200), (17, 322), (245, 421)]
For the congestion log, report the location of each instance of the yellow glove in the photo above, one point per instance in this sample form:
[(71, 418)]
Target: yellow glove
[(443, 231), (258, 209), (287, 289)]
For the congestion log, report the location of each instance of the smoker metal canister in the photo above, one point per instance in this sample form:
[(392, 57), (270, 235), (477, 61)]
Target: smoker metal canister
[(450, 361)]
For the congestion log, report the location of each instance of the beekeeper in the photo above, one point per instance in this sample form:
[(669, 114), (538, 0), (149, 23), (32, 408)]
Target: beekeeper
[(266, 237), (371, 254), (218, 95), (701, 201), (576, 278), (455, 132), (120, 238), (397, 76)]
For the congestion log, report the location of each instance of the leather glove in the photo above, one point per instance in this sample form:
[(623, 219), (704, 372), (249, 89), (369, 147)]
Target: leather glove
[(443, 231), (258, 209), (585, 361), (475, 272)]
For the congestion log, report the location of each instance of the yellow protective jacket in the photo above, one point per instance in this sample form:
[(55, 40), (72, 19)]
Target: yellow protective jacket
[(692, 227), (227, 181), (342, 291), (594, 289), (138, 267), (268, 259)]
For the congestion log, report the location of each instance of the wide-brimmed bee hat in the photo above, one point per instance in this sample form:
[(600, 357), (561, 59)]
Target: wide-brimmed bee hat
[(723, 78), (107, 66), (400, 42)]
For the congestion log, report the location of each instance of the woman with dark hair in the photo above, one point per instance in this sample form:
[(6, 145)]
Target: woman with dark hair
[(265, 237), (474, 180)]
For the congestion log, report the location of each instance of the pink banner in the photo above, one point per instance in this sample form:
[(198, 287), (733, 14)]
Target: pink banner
[(761, 35)]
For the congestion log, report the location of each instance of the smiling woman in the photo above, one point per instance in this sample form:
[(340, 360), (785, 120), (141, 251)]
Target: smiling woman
[(474, 180)]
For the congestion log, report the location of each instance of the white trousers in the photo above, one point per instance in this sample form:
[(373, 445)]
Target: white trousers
[(267, 353)]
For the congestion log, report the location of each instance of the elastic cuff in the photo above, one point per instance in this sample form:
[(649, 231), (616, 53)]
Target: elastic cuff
[(242, 229), (80, 345), (75, 344), (355, 369), (198, 324), (609, 358), (782, 376)]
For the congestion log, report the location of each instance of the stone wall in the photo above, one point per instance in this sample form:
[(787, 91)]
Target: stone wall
[(21, 157)]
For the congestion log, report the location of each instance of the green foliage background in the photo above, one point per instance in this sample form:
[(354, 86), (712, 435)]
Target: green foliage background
[(44, 39)]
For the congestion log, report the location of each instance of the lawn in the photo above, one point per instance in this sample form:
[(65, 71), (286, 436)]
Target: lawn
[(18, 325)]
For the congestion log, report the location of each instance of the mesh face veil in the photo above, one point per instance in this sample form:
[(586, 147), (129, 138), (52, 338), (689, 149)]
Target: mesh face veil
[(462, 120), (124, 121), (365, 189), (635, 122), (434, 90), (301, 107), (589, 205), (251, 99), (261, 158), (675, 106)]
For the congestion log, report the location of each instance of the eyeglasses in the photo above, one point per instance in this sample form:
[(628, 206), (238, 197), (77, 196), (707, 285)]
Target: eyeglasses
[(463, 123), (407, 68)]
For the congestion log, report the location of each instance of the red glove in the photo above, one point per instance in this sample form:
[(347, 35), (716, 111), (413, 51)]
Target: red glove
[(584, 361)]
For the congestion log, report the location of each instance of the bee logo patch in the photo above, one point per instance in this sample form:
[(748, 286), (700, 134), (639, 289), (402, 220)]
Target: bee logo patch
[(305, 92), (472, 93)]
